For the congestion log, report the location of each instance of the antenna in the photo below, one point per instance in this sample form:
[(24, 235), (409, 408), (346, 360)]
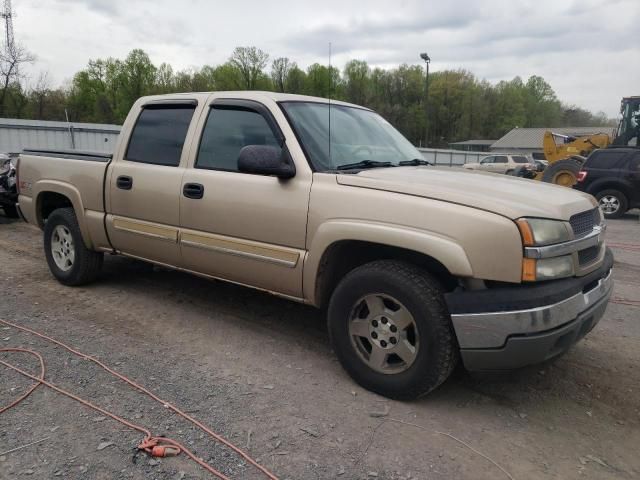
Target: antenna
[(330, 91)]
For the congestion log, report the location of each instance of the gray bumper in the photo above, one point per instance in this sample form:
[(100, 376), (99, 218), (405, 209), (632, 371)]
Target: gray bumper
[(512, 339)]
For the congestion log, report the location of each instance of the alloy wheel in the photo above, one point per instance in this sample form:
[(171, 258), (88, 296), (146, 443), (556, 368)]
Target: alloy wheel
[(62, 248), (610, 204), (384, 333)]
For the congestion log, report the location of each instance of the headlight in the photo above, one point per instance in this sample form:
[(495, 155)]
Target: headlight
[(547, 268), (538, 232)]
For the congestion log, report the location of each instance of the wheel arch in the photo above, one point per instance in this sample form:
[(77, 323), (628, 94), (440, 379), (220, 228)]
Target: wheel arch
[(608, 184), (339, 247), (50, 195)]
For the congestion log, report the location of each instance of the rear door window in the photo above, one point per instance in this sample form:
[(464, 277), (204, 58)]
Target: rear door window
[(606, 159), (520, 159), (159, 134), (500, 159)]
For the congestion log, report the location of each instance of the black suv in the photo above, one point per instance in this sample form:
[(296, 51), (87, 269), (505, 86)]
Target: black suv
[(612, 175)]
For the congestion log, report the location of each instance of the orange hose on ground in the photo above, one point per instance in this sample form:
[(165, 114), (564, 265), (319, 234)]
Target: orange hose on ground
[(149, 441), (34, 386)]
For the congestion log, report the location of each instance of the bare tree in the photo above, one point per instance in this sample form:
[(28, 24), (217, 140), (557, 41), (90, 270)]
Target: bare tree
[(250, 61), (11, 59), (280, 69), (40, 92)]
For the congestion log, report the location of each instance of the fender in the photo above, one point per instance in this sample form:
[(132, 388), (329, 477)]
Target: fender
[(73, 194), (441, 248)]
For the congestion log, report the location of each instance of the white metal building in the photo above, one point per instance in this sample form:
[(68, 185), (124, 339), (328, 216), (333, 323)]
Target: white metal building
[(17, 135)]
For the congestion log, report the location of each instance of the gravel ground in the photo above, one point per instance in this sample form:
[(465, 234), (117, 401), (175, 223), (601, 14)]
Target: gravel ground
[(259, 370)]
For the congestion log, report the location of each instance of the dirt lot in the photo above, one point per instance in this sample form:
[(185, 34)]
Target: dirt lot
[(259, 370)]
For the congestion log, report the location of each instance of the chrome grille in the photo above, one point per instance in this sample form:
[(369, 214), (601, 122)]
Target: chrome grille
[(588, 255), (583, 223)]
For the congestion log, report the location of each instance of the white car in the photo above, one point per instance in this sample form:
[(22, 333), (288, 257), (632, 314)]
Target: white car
[(500, 163)]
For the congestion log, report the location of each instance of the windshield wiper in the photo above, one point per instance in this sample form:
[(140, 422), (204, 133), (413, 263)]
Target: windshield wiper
[(364, 164), (414, 162)]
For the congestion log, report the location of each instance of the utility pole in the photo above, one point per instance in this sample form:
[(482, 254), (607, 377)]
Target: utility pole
[(427, 60)]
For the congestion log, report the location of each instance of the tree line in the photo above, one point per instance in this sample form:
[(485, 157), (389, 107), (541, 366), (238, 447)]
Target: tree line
[(460, 105)]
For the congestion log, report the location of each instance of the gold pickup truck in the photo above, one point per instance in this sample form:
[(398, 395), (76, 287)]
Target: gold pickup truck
[(325, 203)]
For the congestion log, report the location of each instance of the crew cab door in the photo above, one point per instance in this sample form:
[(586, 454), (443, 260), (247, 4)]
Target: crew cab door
[(243, 227), (144, 185)]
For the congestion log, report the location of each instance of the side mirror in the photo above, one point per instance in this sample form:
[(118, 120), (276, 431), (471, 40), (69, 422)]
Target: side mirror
[(266, 160)]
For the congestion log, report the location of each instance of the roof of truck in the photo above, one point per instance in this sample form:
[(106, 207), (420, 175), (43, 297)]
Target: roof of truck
[(261, 94)]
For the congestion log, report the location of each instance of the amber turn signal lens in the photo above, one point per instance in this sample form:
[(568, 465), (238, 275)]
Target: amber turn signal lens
[(525, 231), (528, 270)]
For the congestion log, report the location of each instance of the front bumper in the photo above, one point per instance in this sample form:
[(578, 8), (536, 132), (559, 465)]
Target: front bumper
[(511, 327)]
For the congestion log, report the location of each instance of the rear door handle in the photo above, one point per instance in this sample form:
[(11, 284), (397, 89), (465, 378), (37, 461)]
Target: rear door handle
[(124, 183), (193, 190)]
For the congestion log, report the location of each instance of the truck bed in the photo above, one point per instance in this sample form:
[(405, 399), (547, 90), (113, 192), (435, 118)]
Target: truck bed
[(80, 175)]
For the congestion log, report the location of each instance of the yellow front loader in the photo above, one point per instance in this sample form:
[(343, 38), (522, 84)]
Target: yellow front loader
[(566, 154)]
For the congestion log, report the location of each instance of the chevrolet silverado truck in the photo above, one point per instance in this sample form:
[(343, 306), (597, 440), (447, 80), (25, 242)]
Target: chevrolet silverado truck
[(325, 203)]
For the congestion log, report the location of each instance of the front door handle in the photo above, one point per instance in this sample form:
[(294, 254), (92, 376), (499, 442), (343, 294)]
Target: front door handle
[(124, 183), (193, 190)]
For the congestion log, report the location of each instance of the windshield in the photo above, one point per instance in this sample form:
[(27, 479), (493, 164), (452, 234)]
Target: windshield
[(357, 135)]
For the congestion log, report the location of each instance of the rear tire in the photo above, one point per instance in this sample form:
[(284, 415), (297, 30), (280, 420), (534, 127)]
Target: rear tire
[(563, 172), (69, 260), (614, 203), (408, 315), (11, 211)]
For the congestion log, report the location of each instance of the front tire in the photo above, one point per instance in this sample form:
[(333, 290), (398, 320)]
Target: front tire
[(390, 328), (614, 203), (69, 260)]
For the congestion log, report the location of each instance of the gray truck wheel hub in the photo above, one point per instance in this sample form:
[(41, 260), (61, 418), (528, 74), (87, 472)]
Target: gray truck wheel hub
[(383, 333), (62, 248)]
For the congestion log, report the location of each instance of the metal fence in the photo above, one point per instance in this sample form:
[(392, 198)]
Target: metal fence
[(451, 158), (18, 134)]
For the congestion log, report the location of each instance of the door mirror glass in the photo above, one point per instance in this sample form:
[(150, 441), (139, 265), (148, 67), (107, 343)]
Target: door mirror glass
[(266, 160)]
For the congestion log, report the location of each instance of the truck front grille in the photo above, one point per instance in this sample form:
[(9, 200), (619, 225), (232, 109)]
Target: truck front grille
[(583, 223), (588, 255)]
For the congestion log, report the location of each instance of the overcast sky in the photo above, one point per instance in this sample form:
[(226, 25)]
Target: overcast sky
[(588, 49)]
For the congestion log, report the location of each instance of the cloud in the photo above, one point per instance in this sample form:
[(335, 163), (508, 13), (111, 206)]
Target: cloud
[(108, 7), (375, 30), (586, 49)]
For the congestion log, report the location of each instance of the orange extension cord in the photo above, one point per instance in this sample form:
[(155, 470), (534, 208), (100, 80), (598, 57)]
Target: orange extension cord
[(155, 446)]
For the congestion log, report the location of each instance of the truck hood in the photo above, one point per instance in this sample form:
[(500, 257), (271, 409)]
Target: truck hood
[(505, 195)]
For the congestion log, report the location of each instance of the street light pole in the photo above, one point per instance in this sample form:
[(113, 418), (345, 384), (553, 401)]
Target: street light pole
[(427, 60)]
